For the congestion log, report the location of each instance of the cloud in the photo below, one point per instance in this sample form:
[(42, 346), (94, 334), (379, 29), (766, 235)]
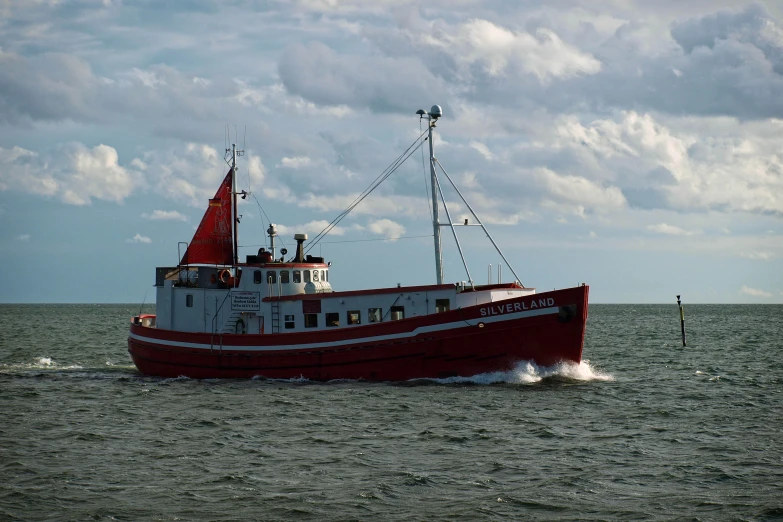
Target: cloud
[(319, 74), (721, 165), (579, 195), (50, 86), (386, 227), (25, 238), (482, 149), (752, 24), (138, 238), (498, 51), (670, 230), (58, 86), (312, 228), (191, 174), (757, 255), (295, 163), (165, 215), (746, 290), (73, 173)]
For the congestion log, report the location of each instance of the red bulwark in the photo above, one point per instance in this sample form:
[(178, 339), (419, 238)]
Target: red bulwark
[(212, 244)]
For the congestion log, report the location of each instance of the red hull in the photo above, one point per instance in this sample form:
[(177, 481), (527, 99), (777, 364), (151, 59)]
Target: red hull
[(546, 328)]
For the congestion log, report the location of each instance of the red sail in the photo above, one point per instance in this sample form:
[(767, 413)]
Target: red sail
[(212, 243)]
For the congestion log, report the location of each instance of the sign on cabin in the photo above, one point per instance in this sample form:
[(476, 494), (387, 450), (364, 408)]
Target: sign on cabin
[(246, 301)]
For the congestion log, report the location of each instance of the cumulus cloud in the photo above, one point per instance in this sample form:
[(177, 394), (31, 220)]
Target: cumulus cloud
[(746, 290), (579, 195), (191, 174), (25, 238), (165, 215), (386, 227), (138, 238), (499, 51), (73, 173), (707, 169)]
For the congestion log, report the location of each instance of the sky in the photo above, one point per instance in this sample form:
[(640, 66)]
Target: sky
[(631, 145)]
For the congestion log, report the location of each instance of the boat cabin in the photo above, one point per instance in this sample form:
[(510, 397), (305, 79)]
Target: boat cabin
[(274, 296)]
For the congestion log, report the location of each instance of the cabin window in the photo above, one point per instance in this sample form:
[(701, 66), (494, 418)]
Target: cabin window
[(306, 276), (284, 276), (323, 275), (297, 276), (189, 300), (315, 275), (271, 276), (258, 277), (311, 320), (332, 319), (397, 313), (289, 322), (326, 276), (354, 317), (374, 315), (442, 305)]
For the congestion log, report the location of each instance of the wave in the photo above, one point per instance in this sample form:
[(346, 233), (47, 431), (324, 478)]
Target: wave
[(526, 372), (41, 363), (49, 367)]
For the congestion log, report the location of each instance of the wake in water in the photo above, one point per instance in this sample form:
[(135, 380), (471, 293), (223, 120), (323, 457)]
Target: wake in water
[(526, 372), (47, 366), (40, 363)]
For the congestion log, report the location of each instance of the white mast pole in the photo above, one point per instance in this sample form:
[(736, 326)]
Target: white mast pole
[(433, 116), (234, 199)]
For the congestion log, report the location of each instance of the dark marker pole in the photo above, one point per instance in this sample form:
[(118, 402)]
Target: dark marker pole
[(682, 320)]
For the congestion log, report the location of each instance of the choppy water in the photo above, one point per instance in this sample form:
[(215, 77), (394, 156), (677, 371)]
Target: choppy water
[(646, 430)]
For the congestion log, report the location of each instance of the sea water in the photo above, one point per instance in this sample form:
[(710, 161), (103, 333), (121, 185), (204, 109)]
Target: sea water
[(643, 429)]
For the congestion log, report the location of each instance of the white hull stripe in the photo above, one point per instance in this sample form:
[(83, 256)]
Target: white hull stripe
[(332, 344)]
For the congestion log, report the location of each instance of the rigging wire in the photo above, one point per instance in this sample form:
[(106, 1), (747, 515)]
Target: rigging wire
[(268, 221), (497, 248), (388, 171)]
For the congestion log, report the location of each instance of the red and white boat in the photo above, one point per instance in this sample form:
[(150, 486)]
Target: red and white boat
[(280, 318)]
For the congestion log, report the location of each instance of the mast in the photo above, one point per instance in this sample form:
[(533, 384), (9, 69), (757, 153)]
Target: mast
[(234, 199), (233, 153), (434, 114)]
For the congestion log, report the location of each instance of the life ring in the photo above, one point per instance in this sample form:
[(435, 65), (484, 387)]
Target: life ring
[(240, 327), (225, 276)]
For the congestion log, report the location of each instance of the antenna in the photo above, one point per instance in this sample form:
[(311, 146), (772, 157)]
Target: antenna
[(145, 300)]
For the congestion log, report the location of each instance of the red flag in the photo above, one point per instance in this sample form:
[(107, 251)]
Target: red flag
[(212, 243)]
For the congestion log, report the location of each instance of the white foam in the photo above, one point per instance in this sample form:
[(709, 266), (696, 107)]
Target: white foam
[(526, 372), (40, 363), (168, 380)]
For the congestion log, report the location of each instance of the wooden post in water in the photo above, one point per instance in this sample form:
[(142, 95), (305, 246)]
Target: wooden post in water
[(682, 320)]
